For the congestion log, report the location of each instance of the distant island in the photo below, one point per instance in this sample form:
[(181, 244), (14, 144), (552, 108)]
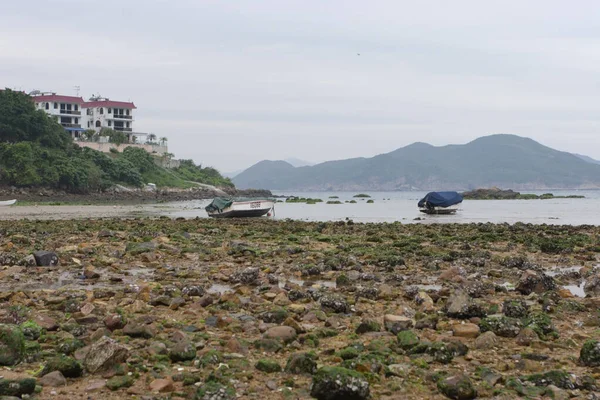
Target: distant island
[(490, 161), (499, 194)]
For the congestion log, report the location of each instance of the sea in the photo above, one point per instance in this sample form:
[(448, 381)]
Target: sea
[(402, 207)]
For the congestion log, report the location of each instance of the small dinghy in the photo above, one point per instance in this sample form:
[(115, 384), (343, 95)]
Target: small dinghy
[(440, 203), (222, 207), (7, 202)]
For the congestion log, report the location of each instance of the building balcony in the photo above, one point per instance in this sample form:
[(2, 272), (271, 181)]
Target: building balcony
[(71, 125), (70, 112), (122, 129), (122, 116)]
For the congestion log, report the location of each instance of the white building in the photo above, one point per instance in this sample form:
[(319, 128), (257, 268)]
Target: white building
[(66, 110), (104, 113)]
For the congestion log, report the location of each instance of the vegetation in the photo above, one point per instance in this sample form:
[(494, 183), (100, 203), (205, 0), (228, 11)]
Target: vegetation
[(35, 151), (499, 194)]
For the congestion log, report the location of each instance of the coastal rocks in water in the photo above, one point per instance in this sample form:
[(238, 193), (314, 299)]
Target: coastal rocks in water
[(12, 345), (45, 258), (334, 303), (515, 308), (17, 388), (461, 306), (590, 353), (53, 379), (532, 282), (301, 363), (501, 326), (457, 387), (104, 354), (247, 276), (397, 323), (336, 383), (286, 334)]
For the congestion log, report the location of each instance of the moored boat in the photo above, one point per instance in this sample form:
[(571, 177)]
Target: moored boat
[(222, 207), (440, 203), (7, 202)]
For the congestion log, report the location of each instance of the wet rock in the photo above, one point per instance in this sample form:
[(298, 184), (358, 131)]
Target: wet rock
[(457, 387), (268, 366), (17, 387), (301, 363), (161, 386), (12, 345), (590, 353), (515, 308), (246, 276), (532, 282), (397, 323), (53, 379), (182, 351), (486, 341), (461, 306), (286, 334), (334, 303), (592, 285), (104, 354), (501, 326), (368, 326), (69, 367), (45, 258), (466, 330), (335, 383)]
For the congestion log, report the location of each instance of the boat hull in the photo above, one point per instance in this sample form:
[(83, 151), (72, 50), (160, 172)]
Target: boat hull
[(7, 202), (439, 210), (244, 209)]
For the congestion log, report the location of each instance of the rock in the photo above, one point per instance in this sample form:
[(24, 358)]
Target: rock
[(205, 300), (45, 322), (29, 261), (138, 330), (114, 321), (532, 282), (139, 248), (467, 330), (119, 382), (215, 391), (461, 306), (268, 366), (17, 387), (397, 323), (486, 341), (334, 303), (69, 367), (95, 386), (268, 345), (286, 334), (407, 339), (104, 354), (246, 276), (234, 346), (161, 386), (182, 351), (12, 345), (301, 363), (53, 379), (501, 326), (335, 383), (515, 308), (425, 301), (457, 387), (368, 326), (45, 258), (592, 285), (590, 353), (193, 290), (526, 336), (401, 370)]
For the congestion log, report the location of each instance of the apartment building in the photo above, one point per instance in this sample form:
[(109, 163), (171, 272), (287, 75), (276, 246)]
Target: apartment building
[(67, 110), (105, 113)]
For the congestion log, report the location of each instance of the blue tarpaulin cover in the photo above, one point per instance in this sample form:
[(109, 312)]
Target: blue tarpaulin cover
[(441, 199)]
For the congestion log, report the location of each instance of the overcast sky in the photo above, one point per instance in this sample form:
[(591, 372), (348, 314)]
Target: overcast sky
[(233, 82)]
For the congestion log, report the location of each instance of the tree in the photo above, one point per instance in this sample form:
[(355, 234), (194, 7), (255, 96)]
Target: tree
[(134, 139), (151, 138), (116, 137), (89, 134), (163, 141)]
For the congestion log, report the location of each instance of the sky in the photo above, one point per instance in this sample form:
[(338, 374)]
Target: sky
[(234, 82)]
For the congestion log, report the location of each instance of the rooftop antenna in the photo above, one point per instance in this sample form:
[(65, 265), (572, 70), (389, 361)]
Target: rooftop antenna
[(77, 90)]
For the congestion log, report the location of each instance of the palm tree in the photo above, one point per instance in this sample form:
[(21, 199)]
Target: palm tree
[(134, 139), (163, 140), (151, 138)]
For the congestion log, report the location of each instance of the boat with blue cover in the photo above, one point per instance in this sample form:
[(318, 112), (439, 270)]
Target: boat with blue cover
[(440, 203)]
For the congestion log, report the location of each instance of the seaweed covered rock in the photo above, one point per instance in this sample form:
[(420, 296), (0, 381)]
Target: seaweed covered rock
[(12, 345), (541, 323), (69, 367), (215, 391), (501, 326), (336, 383), (104, 354), (268, 366), (182, 351), (248, 276), (561, 379), (590, 353), (336, 304), (16, 388), (457, 387), (460, 305), (515, 308), (301, 363), (532, 282), (368, 326)]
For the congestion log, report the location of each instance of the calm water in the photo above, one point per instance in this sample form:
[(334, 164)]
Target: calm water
[(402, 206)]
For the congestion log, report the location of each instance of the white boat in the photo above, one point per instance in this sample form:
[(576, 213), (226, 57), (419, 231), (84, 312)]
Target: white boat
[(440, 203), (242, 208), (7, 202), (439, 210)]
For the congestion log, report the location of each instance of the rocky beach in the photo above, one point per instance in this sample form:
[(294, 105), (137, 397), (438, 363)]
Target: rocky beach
[(160, 308)]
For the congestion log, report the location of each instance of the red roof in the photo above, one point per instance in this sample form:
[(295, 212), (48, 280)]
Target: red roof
[(58, 98), (108, 103)]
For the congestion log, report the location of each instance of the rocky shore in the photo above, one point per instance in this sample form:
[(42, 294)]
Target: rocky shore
[(124, 195), (214, 309), (509, 194)]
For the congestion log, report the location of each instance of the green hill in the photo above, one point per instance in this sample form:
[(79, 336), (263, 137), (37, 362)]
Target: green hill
[(497, 160), (35, 151)]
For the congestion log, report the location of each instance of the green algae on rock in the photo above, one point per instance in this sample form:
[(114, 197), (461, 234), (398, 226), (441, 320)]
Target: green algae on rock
[(336, 383), (12, 345)]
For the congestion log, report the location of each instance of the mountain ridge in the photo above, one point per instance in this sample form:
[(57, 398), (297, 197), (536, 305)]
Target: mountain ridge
[(501, 160)]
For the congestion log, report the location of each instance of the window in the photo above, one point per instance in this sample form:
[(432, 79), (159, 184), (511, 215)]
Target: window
[(55, 106), (76, 107), (47, 106), (127, 124), (109, 123), (97, 124), (62, 106), (101, 110), (127, 111), (76, 120), (110, 110)]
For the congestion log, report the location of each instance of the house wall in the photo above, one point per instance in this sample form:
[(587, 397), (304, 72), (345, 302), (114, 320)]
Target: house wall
[(105, 147)]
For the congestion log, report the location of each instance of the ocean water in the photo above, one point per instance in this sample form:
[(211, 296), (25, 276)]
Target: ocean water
[(402, 207)]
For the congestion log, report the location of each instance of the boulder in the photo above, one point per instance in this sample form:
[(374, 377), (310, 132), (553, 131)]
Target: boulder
[(501, 326), (53, 379), (182, 351), (301, 363), (161, 386), (17, 387), (486, 341), (457, 387), (397, 323), (515, 308), (590, 353), (532, 282), (460, 305), (45, 258), (286, 334), (336, 383), (467, 330), (336, 304), (68, 366), (104, 354), (12, 345)]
